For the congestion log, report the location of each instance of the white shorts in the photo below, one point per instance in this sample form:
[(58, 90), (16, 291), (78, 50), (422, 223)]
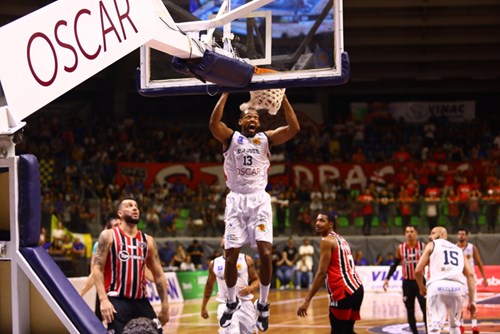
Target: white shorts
[(445, 299), (248, 219), (243, 321)]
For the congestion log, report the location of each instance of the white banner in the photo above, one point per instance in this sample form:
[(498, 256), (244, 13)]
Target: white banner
[(50, 51), (415, 111), (373, 278)]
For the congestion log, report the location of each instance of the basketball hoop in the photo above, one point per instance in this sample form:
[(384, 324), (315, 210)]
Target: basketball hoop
[(269, 99)]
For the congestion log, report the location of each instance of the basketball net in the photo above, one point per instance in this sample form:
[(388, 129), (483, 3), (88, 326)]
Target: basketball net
[(269, 99)]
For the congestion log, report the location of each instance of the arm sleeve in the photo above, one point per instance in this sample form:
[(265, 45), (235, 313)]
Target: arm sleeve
[(393, 268)]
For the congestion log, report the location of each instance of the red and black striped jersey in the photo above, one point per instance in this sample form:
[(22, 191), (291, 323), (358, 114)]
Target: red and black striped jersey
[(124, 274), (409, 258), (341, 279)]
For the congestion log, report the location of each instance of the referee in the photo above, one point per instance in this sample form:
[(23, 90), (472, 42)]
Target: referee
[(407, 254)]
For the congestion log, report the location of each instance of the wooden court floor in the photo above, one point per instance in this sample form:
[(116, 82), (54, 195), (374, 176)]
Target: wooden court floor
[(381, 313)]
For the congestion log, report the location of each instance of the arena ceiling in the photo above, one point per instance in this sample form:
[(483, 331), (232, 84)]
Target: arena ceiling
[(394, 45)]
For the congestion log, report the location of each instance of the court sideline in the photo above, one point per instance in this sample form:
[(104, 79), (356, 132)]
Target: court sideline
[(382, 312)]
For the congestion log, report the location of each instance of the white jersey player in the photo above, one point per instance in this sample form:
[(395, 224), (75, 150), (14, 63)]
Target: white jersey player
[(248, 215), (472, 255), (243, 320), (450, 279)]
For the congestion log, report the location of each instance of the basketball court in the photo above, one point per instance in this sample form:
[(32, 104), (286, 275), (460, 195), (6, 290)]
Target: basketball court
[(381, 312)]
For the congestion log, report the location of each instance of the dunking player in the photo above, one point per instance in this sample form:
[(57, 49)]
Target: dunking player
[(123, 253), (248, 213), (472, 255), (450, 277), (408, 254), (243, 320), (336, 268)]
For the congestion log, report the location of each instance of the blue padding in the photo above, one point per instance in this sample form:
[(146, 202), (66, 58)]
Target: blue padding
[(213, 89), (216, 68), (29, 207), (62, 290)]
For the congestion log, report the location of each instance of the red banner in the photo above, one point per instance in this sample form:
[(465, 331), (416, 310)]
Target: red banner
[(492, 277), (356, 175)]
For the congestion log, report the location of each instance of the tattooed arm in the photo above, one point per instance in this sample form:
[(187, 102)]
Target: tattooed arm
[(154, 264), (103, 245)]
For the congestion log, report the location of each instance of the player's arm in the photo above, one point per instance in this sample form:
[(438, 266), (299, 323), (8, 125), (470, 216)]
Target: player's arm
[(326, 245), (153, 263), (479, 263), (471, 286), (253, 278), (218, 128), (209, 289), (392, 269), (285, 133), (419, 269), (100, 257)]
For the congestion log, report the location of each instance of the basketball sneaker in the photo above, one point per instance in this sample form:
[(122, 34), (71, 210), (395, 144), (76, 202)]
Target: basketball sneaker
[(263, 318), (475, 330), (225, 320)]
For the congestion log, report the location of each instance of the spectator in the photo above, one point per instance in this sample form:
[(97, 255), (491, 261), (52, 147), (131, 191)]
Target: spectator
[(432, 206), (196, 252), (366, 200), (303, 273), (453, 210), (359, 260), (166, 254), (286, 264), (179, 257), (187, 264)]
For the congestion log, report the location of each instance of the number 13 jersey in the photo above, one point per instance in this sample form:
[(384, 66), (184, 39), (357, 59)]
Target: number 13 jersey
[(246, 163)]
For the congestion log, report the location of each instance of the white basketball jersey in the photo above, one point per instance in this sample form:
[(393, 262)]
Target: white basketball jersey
[(241, 282), (446, 262), (469, 254), (246, 163)]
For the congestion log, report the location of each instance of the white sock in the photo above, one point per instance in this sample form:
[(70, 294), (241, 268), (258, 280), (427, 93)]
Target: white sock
[(473, 322), (231, 294), (264, 293)]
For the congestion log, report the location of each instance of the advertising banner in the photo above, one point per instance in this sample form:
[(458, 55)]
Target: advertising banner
[(192, 283)]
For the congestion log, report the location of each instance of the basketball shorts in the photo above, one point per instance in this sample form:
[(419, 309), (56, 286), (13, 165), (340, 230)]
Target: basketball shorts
[(444, 300), (243, 321), (248, 219)]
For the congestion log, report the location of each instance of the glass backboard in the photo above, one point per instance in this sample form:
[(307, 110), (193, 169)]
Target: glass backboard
[(302, 40)]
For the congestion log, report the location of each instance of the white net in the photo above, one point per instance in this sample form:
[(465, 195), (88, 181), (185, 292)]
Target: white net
[(269, 99)]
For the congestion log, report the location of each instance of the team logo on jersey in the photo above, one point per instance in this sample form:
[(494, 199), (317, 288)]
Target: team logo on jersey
[(256, 141), (238, 266), (262, 227), (125, 256), (240, 140)]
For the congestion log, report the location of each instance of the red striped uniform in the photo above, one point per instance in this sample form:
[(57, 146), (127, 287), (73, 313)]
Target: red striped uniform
[(124, 274), (409, 258), (342, 279)]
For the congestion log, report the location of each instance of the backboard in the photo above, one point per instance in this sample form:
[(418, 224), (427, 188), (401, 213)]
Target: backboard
[(300, 39)]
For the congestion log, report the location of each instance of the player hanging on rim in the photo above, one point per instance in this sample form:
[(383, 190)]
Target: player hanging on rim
[(248, 215)]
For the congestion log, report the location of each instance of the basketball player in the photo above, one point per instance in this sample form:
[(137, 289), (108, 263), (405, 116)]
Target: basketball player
[(248, 215), (450, 277), (123, 253), (243, 320), (336, 268), (408, 253), (473, 257), (90, 282)]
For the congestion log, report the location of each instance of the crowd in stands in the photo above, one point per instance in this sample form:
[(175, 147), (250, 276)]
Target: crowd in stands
[(78, 157)]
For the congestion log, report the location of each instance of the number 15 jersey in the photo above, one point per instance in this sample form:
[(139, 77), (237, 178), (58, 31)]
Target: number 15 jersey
[(446, 262), (246, 163)]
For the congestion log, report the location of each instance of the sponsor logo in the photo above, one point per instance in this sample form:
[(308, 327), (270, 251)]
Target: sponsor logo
[(256, 141), (240, 140), (125, 256)]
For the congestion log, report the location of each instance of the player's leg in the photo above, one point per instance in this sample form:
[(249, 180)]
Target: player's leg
[(436, 309), (245, 318), (262, 226), (409, 295), (455, 303), (344, 313), (235, 236), (423, 307)]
